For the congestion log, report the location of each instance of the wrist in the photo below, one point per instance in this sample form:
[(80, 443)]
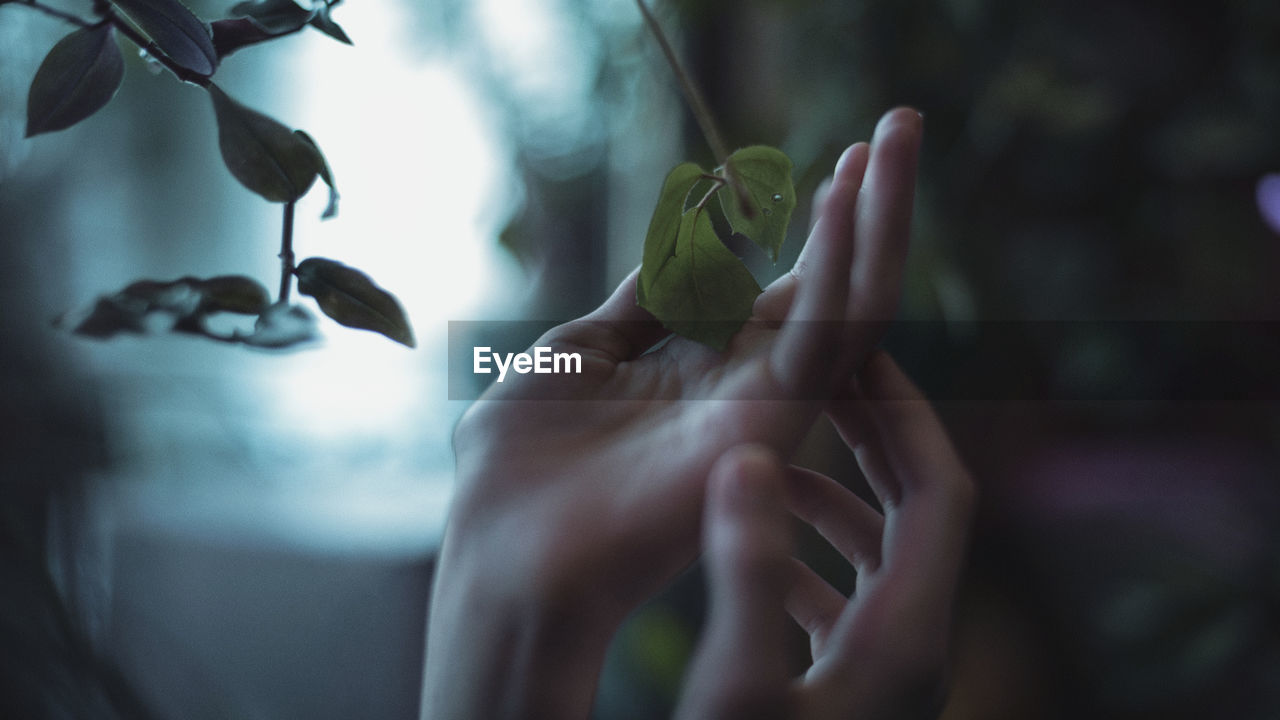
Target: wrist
[(509, 637)]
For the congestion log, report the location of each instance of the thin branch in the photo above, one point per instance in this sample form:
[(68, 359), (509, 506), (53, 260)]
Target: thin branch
[(286, 253), (698, 106)]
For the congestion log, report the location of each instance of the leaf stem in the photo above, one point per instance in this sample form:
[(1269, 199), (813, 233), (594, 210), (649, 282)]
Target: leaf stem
[(698, 106), (286, 253), (51, 11), (692, 95)]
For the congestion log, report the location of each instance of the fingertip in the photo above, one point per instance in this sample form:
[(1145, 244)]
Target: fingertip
[(746, 478)]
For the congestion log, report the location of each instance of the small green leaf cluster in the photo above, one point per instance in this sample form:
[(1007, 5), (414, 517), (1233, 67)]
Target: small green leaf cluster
[(81, 74), (689, 279)]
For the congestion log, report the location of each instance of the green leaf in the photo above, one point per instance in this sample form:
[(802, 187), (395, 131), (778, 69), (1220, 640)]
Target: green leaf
[(350, 297), (664, 226), (179, 34), (78, 77), (703, 291), (322, 167), (265, 156), (770, 197)]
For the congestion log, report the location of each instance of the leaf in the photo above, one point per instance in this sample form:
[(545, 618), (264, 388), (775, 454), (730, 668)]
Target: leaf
[(664, 226), (350, 297), (322, 167), (159, 305), (179, 34), (232, 34), (703, 291), (265, 156), (326, 25), (765, 174), (278, 17), (233, 294), (78, 77)]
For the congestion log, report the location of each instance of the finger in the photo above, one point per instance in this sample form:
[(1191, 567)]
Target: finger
[(813, 604), (772, 304), (619, 327), (740, 668), (850, 416), (851, 526), (883, 215), (809, 342), (927, 528)]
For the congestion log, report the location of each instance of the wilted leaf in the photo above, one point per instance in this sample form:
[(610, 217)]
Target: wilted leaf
[(664, 226), (350, 297), (281, 326), (322, 167), (278, 17), (179, 34), (78, 77), (765, 174), (264, 155), (158, 305), (233, 294), (325, 24), (703, 291)]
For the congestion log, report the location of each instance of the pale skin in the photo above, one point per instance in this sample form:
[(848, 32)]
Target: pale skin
[(579, 496)]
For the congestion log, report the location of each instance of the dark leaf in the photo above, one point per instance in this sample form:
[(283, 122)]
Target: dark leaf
[(322, 167), (233, 294), (350, 297), (158, 305), (78, 77), (281, 326), (765, 174), (179, 34), (703, 291), (664, 226), (265, 156), (235, 33), (278, 17), (325, 24)]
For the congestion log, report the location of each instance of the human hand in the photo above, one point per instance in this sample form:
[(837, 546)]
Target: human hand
[(580, 495), (879, 654)]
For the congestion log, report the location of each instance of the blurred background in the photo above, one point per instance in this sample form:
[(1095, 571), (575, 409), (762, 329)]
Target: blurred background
[(198, 531)]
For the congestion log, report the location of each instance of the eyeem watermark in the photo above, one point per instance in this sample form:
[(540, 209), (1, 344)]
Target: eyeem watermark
[(541, 362)]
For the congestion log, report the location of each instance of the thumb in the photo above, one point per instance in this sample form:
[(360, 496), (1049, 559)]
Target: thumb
[(740, 668)]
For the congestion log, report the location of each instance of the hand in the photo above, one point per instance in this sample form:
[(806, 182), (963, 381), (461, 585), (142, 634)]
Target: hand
[(578, 496), (879, 654)]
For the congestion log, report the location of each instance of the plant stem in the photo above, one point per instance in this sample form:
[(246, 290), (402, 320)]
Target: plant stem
[(691, 94), (698, 106), (286, 253), (51, 11)]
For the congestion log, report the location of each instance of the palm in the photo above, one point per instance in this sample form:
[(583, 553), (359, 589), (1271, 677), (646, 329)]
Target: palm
[(618, 456)]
